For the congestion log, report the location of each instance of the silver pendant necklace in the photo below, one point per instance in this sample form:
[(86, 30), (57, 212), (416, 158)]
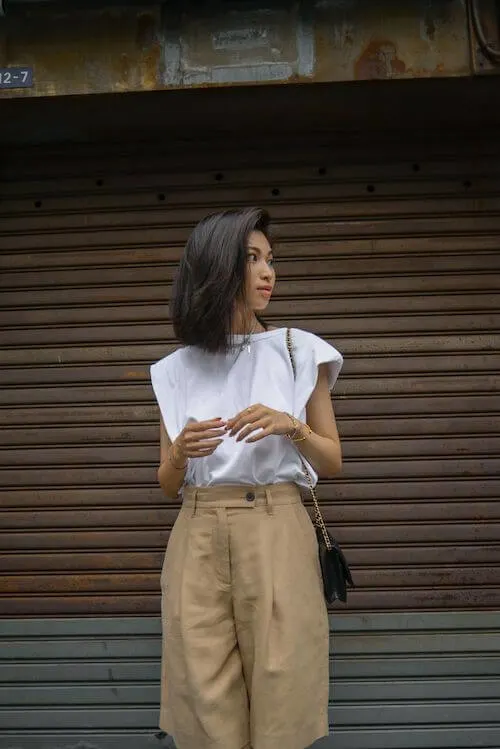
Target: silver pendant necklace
[(245, 342), (227, 370)]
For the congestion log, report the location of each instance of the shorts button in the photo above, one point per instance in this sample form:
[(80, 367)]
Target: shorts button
[(250, 497)]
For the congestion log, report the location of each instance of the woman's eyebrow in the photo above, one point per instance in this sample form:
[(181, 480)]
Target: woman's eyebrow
[(257, 249)]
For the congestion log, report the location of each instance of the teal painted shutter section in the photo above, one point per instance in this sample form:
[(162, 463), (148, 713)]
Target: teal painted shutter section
[(399, 681)]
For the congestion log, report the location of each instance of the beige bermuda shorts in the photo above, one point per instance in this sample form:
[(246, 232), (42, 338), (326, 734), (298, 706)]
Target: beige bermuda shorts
[(245, 625)]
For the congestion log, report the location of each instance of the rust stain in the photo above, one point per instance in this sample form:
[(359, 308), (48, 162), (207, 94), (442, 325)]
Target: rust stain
[(148, 43), (379, 60)]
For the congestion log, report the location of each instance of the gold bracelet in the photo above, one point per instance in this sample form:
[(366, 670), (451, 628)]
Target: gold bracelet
[(302, 438), (177, 468), (296, 426)]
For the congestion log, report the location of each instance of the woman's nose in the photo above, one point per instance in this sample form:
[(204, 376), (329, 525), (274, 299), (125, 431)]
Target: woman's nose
[(266, 272)]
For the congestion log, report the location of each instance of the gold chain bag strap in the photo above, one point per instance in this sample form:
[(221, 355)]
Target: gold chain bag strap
[(334, 568)]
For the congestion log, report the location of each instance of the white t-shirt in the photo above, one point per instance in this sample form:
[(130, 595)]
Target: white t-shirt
[(193, 384)]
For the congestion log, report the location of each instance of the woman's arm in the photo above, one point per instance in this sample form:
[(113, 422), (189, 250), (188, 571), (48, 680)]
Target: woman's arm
[(171, 473), (321, 447), (197, 440)]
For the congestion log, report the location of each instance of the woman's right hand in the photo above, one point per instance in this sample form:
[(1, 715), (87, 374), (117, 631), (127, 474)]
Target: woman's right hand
[(197, 440)]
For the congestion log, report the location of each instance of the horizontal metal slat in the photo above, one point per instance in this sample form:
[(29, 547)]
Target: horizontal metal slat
[(138, 604), (78, 717), (402, 665), (84, 561), (159, 517), (116, 583), (365, 406), (47, 674), (117, 414)]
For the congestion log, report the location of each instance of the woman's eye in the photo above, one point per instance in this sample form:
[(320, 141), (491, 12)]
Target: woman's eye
[(252, 257)]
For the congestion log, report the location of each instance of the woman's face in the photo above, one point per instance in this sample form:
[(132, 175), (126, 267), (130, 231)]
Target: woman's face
[(260, 275)]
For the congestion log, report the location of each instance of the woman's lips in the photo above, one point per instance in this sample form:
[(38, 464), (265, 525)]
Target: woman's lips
[(265, 292)]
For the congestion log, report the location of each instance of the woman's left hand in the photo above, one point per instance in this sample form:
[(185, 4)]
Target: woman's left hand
[(260, 417)]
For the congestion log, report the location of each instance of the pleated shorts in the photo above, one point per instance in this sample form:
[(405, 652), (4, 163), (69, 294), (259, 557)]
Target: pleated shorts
[(245, 625)]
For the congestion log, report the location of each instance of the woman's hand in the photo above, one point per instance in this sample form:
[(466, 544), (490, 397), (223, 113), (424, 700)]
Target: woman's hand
[(197, 440), (260, 417)]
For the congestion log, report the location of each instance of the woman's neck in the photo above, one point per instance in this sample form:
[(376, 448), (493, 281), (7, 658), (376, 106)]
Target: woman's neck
[(246, 325)]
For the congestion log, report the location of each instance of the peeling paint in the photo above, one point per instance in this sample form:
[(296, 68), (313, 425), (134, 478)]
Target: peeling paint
[(237, 40), (305, 47)]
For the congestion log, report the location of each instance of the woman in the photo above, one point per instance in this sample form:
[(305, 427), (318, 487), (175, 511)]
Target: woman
[(245, 626)]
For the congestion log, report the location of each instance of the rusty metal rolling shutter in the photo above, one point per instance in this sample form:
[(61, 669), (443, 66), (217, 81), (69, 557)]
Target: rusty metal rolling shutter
[(394, 260)]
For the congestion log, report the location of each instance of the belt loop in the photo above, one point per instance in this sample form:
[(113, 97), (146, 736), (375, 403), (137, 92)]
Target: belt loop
[(195, 497), (269, 502)]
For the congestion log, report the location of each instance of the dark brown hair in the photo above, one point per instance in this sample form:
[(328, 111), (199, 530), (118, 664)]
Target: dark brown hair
[(211, 276)]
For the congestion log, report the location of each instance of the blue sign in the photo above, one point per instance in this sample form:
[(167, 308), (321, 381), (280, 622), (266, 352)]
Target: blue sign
[(16, 77)]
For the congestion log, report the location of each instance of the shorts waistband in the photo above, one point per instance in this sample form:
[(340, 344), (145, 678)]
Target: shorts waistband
[(240, 495)]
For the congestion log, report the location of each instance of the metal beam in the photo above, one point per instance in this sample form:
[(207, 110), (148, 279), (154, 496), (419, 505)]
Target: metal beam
[(84, 48)]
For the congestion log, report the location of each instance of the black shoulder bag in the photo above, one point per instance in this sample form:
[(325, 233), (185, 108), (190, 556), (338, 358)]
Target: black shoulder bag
[(334, 568)]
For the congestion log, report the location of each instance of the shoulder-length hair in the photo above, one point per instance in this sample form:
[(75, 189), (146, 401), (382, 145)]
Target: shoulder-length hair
[(211, 277)]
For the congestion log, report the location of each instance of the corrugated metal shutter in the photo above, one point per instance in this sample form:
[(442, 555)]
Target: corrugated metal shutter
[(399, 681), (389, 249)]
